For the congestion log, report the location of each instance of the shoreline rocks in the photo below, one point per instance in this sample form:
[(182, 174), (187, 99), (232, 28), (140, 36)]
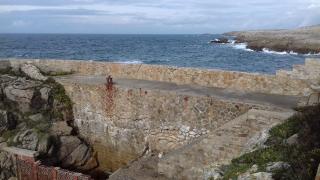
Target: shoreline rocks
[(303, 40)]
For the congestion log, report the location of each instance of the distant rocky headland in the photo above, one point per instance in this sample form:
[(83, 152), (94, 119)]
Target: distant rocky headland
[(64, 119), (302, 40)]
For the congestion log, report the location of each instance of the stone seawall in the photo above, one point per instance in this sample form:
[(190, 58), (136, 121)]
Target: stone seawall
[(162, 109), (131, 116), (282, 83)]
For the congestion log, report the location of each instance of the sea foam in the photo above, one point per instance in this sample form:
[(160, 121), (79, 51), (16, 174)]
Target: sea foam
[(132, 62), (242, 46)]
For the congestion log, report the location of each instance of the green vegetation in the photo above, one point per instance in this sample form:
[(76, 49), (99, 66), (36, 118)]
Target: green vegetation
[(304, 156), (59, 92), (63, 104), (57, 108)]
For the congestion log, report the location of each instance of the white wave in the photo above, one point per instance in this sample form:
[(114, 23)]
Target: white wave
[(242, 46), (231, 41), (293, 53), (132, 62), (266, 50), (312, 54)]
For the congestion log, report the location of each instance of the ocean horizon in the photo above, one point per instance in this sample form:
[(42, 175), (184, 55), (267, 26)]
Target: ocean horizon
[(181, 50)]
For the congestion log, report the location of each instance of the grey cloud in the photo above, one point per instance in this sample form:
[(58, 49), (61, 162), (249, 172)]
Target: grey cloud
[(162, 16)]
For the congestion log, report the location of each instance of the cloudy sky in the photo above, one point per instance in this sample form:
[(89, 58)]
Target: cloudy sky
[(154, 16)]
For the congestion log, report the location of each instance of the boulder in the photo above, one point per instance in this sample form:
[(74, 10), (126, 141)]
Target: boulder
[(33, 72), (90, 164), (257, 141), (78, 157), (276, 166), (27, 139), (36, 117), (292, 140), (21, 92), (60, 128), (45, 92), (67, 145), (74, 153), (44, 144)]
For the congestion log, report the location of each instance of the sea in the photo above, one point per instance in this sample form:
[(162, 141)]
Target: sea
[(173, 50)]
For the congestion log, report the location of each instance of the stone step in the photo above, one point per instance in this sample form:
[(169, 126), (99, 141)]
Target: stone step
[(219, 147)]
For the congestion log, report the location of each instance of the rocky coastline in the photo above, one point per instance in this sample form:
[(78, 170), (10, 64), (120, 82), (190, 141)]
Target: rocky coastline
[(36, 115), (304, 40)]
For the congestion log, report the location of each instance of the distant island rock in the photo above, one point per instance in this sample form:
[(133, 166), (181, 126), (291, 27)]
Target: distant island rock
[(302, 40)]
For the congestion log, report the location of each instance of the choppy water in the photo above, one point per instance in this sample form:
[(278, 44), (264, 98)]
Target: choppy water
[(176, 50)]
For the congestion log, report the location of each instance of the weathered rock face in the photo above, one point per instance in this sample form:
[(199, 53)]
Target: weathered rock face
[(7, 166), (36, 115), (33, 72)]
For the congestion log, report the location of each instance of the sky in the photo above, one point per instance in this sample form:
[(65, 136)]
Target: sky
[(154, 16)]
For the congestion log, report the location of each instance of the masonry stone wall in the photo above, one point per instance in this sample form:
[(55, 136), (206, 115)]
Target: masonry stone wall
[(282, 83), (125, 121), (194, 162), (122, 123)]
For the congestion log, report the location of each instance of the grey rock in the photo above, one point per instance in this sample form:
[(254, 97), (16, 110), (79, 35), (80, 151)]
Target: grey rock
[(67, 145), (292, 139), (274, 166), (262, 176), (78, 157), (36, 117), (45, 92), (33, 72), (21, 92), (257, 141), (27, 140), (44, 145), (255, 176), (253, 169), (185, 129), (61, 128), (214, 173)]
